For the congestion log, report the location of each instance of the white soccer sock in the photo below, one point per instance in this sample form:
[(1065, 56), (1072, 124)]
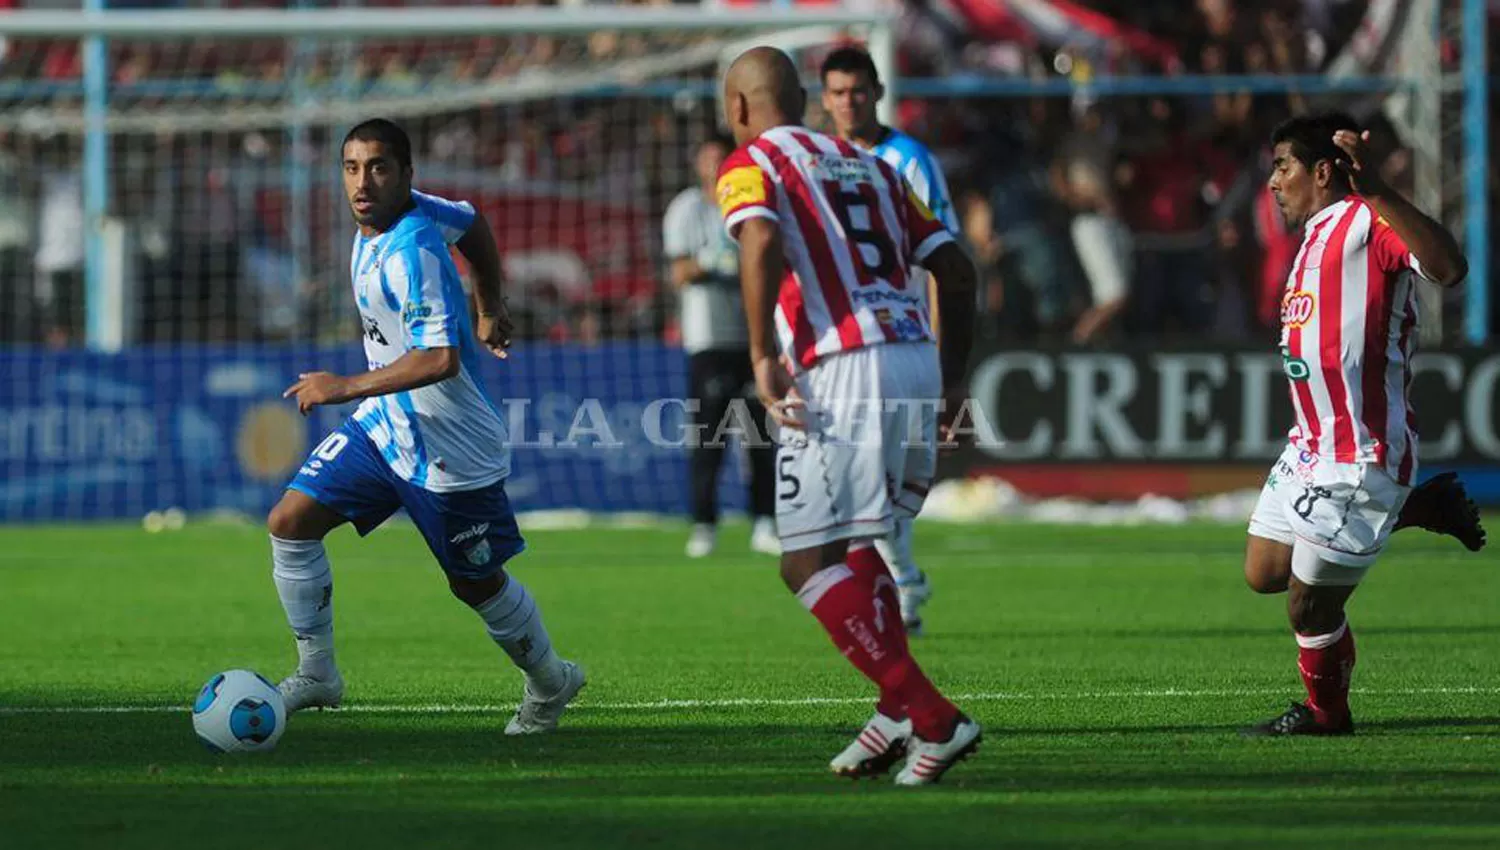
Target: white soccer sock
[(896, 551), (305, 585), (513, 621)]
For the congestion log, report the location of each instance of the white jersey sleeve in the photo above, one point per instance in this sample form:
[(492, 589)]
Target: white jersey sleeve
[(452, 218), (428, 317)]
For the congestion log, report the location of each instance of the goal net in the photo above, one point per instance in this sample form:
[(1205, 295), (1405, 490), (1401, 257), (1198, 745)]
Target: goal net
[(176, 238)]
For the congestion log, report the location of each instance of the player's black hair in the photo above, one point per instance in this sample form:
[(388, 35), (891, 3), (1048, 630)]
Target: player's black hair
[(1310, 138), (848, 60), (386, 132)]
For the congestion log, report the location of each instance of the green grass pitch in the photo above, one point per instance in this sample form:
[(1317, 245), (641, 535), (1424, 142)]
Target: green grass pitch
[(1110, 667)]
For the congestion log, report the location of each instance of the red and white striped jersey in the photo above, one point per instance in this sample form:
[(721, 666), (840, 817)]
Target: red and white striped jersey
[(1348, 322), (851, 229)]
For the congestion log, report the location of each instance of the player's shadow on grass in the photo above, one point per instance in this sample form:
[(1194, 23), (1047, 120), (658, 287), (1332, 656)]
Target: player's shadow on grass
[(1273, 630), (1473, 726), (417, 742), (1217, 633), (1433, 631)]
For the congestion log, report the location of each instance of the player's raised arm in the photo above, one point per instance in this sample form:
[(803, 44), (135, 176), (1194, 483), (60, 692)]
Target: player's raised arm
[(1434, 248)]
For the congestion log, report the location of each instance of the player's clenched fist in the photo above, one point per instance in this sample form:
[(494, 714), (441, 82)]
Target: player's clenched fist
[(315, 388)]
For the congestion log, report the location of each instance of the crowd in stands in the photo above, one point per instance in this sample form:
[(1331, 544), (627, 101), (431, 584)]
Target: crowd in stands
[(1094, 219)]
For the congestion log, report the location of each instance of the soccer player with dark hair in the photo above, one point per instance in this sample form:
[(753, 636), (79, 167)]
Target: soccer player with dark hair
[(1348, 334), (425, 436)]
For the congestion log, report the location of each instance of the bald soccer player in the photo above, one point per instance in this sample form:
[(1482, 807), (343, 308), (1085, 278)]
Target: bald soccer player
[(845, 359)]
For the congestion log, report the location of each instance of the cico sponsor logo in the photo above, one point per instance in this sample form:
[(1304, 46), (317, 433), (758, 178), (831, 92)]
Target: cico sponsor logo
[(1297, 308)]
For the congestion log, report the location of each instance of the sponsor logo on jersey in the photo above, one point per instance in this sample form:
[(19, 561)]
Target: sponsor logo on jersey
[(876, 295), (372, 331), (838, 168), (413, 311), (1295, 367), (741, 186), (1297, 308), (903, 328)]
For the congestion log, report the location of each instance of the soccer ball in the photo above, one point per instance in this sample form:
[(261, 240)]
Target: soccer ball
[(239, 711)]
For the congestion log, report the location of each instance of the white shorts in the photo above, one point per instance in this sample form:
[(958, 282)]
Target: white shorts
[(1336, 517), (869, 452)]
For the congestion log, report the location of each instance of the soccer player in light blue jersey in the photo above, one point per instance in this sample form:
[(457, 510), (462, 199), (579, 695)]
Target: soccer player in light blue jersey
[(425, 437), (851, 90)]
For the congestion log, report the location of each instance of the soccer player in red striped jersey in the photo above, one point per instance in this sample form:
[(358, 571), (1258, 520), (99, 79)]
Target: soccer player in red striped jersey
[(1348, 333), (828, 235)]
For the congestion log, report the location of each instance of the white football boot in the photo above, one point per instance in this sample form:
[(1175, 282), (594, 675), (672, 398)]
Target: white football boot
[(536, 715), (926, 761), (299, 691), (763, 538), (701, 542), (879, 745)]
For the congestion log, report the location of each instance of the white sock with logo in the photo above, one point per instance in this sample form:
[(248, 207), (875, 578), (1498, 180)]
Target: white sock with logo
[(305, 585), (514, 622), (896, 551)]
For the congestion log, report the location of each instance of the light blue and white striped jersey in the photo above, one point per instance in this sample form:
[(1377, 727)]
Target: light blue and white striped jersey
[(445, 436), (915, 162)]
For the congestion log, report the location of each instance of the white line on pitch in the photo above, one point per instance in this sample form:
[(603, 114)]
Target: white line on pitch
[(757, 702)]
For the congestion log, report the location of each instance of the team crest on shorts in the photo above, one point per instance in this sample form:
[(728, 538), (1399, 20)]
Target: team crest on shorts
[(479, 553)]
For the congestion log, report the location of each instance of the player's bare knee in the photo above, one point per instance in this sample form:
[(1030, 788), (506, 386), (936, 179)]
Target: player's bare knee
[(286, 521), (799, 566), (1315, 610), (1265, 578), (475, 592), (1268, 565)]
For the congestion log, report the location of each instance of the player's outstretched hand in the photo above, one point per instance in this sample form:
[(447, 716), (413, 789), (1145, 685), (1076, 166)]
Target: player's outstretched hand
[(773, 383), (494, 330), (315, 388), (1363, 175)]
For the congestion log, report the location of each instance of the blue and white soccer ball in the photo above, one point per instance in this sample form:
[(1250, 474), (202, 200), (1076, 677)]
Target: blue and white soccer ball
[(239, 711)]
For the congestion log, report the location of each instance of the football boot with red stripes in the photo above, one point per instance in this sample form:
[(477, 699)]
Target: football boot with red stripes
[(879, 745), (927, 761)]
